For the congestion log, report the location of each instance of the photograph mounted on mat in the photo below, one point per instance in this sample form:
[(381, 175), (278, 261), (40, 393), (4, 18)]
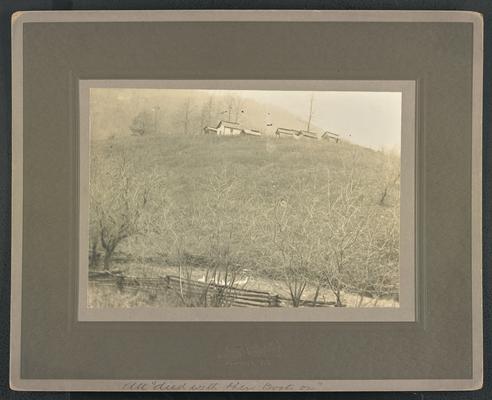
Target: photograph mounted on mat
[(237, 199), (185, 221)]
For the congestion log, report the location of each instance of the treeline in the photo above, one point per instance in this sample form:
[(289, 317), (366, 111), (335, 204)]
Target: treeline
[(124, 112), (190, 117)]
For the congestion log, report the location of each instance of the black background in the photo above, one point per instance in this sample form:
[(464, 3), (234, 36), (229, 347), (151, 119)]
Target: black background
[(6, 10)]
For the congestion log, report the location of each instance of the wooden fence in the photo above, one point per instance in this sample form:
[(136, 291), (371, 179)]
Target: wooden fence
[(211, 292)]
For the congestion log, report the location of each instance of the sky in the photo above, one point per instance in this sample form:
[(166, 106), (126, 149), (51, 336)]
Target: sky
[(371, 119)]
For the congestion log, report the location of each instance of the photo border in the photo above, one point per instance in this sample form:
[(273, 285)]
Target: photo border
[(407, 269)]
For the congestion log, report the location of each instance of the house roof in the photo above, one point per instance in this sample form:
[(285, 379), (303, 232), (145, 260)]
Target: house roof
[(330, 134), (309, 134), (229, 124), (253, 132), (287, 131)]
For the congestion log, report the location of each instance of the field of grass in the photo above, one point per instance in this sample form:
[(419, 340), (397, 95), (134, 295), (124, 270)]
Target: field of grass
[(108, 296), (255, 204), (268, 165)]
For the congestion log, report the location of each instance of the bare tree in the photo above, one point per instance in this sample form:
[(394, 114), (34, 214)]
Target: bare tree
[(346, 219), (238, 109), (233, 105), (212, 228), (295, 237), (289, 247), (222, 229), (207, 112), (361, 252), (377, 272), (185, 233), (391, 176), (120, 203), (327, 233), (186, 115)]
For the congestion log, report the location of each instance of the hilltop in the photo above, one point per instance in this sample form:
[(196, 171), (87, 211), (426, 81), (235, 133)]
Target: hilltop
[(165, 113)]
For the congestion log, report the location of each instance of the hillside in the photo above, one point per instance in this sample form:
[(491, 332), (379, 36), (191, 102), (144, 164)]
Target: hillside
[(265, 167), (113, 112), (280, 209)]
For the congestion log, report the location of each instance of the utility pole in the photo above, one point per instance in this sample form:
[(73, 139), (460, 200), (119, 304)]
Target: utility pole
[(310, 111)]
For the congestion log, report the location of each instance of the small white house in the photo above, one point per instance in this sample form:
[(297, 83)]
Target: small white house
[(227, 128), (331, 137), (310, 135), (284, 132)]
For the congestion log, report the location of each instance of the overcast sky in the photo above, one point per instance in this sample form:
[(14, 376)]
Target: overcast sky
[(371, 119)]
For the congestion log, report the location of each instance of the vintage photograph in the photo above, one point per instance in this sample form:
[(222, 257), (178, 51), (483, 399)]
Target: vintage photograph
[(243, 198)]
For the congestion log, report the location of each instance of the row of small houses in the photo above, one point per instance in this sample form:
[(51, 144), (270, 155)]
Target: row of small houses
[(227, 128), (296, 134)]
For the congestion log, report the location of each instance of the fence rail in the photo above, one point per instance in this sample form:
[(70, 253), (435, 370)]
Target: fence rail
[(229, 295)]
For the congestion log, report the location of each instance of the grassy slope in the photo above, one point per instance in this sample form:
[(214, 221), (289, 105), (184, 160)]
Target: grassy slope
[(261, 162), (264, 167)]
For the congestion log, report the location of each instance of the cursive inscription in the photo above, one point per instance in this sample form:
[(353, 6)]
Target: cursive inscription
[(214, 386)]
